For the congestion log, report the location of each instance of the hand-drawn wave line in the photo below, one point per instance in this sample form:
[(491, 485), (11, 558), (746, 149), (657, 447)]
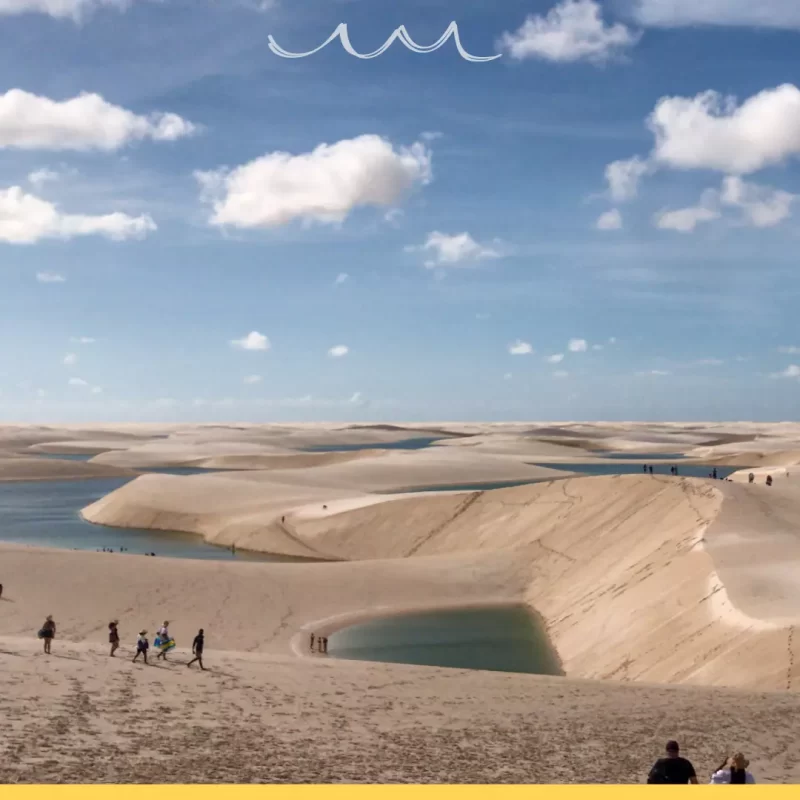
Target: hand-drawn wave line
[(401, 33)]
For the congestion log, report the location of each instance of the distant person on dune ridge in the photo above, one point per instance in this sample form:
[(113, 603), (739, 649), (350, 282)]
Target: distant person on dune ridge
[(751, 478), (674, 769), (733, 771)]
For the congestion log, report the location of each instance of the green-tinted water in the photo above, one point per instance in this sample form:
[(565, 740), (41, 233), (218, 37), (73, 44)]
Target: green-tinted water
[(506, 639)]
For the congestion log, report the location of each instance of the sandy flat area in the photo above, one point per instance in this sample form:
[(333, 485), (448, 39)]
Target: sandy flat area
[(671, 602)]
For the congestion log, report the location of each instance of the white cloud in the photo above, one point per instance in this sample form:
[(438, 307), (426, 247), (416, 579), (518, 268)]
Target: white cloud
[(746, 13), (394, 215), (574, 30), (792, 371), (323, 186), (60, 9), (597, 347), (577, 346), (520, 348), (82, 340), (708, 362), (623, 178), (85, 122), (789, 350), (508, 376), (25, 219), (453, 250), (685, 220), (253, 341), (97, 390), (357, 399), (77, 382), (341, 278), (556, 358), (654, 372), (339, 351), (610, 221), (612, 340), (252, 379), (762, 206), (710, 131), (70, 359), (560, 373), (430, 136), (50, 277), (39, 177)]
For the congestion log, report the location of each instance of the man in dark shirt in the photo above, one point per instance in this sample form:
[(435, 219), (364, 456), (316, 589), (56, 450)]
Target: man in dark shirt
[(197, 649), (673, 768)]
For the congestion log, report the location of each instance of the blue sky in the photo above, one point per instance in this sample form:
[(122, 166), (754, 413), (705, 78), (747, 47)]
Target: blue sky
[(467, 204)]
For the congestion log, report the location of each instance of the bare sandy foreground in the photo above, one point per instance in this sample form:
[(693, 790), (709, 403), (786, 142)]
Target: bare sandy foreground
[(671, 602)]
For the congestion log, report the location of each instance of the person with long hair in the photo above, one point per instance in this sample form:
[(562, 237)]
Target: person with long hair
[(733, 770)]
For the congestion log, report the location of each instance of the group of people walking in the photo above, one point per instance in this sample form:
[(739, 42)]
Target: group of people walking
[(163, 641), (675, 769)]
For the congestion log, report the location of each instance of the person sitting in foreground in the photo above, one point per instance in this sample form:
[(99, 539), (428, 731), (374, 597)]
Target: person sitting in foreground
[(733, 770), (672, 769)]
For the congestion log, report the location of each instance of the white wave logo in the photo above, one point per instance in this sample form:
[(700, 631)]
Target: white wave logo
[(401, 33)]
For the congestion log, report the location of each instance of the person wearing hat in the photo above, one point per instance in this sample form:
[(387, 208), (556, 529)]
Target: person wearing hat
[(673, 769), (733, 770), (142, 646)]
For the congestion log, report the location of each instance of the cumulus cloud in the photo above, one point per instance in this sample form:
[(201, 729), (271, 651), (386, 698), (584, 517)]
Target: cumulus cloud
[(623, 177), (791, 350), (60, 9), (85, 122), (685, 220), (792, 371), (323, 186), (339, 351), (77, 382), (253, 341), (39, 177), (577, 346), (25, 219), (556, 358), (573, 30), (70, 359), (454, 250), (762, 206), (746, 13), (50, 277), (520, 348), (610, 221), (97, 390), (358, 399), (252, 379), (710, 131), (341, 278)]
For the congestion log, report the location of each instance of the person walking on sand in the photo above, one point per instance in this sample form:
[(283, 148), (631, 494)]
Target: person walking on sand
[(650, 470), (674, 769), (48, 633), (165, 642), (769, 480), (733, 770), (197, 649), (113, 636), (142, 646)]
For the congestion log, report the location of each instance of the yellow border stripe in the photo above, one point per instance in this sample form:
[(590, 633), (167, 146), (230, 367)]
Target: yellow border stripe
[(346, 792)]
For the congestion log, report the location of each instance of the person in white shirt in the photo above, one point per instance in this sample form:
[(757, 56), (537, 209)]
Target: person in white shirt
[(734, 770), (163, 638)]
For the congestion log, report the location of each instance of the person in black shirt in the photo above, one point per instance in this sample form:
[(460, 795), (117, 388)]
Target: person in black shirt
[(673, 768), (197, 650)]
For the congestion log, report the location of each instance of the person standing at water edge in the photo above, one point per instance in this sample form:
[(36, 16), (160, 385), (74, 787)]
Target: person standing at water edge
[(48, 633), (113, 636), (142, 646), (673, 769), (197, 649)]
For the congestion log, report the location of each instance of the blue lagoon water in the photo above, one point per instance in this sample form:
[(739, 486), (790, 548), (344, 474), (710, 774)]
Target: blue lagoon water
[(46, 514), (498, 639)]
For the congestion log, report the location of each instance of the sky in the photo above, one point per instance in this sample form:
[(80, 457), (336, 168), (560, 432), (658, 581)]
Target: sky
[(599, 223)]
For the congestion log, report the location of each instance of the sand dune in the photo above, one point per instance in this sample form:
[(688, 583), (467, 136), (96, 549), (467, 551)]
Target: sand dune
[(23, 468)]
